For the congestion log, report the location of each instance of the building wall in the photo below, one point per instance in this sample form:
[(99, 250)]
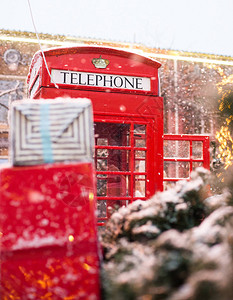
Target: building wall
[(190, 82)]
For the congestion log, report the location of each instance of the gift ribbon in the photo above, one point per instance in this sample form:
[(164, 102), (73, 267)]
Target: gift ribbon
[(45, 133)]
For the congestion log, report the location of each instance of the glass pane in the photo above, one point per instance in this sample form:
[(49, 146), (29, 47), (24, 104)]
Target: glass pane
[(140, 165), (102, 153), (140, 161), (197, 164), (197, 149), (101, 186), (101, 164), (101, 208), (112, 134), (140, 154), (178, 149), (174, 169), (140, 143), (139, 135), (139, 129), (101, 142), (140, 186), (113, 160), (114, 185)]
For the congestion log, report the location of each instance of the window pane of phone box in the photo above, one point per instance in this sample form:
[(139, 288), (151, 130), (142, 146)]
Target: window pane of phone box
[(174, 169)]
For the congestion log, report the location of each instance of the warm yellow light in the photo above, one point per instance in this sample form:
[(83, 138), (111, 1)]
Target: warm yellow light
[(86, 267), (91, 196), (71, 238), (225, 150)]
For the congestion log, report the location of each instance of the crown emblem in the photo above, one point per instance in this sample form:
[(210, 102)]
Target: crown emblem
[(100, 63)]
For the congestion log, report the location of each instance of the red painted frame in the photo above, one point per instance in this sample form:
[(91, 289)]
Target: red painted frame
[(205, 160), (150, 173)]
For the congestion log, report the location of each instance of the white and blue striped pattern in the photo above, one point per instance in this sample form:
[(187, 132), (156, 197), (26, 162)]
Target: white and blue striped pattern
[(47, 131)]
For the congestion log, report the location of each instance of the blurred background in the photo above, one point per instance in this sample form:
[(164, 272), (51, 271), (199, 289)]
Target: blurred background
[(191, 39)]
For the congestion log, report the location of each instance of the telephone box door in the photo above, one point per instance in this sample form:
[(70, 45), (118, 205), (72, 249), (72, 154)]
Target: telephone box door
[(124, 171)]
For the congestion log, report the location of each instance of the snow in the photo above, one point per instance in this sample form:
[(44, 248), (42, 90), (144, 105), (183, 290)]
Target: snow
[(37, 242)]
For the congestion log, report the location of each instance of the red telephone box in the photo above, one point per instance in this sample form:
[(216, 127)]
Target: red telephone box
[(128, 115)]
